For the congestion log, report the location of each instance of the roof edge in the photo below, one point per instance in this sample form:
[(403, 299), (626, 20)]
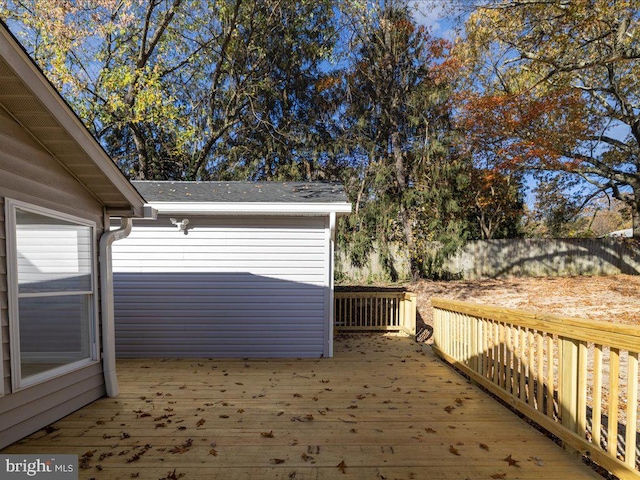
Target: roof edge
[(252, 208)]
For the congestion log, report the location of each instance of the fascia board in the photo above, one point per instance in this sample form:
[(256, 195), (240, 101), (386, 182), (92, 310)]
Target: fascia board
[(251, 208)]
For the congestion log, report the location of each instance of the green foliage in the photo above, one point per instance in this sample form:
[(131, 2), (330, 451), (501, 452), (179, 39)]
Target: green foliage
[(407, 184), (186, 89)]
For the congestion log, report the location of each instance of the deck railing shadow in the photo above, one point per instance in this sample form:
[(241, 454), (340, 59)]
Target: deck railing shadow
[(575, 378)]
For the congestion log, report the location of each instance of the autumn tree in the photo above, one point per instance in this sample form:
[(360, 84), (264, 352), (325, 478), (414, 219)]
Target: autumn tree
[(183, 89), (405, 173), (555, 84), (495, 203)]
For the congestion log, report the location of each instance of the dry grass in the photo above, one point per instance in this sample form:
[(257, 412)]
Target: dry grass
[(613, 298)]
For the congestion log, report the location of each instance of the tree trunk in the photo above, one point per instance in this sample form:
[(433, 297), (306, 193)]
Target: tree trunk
[(635, 219), (144, 169), (404, 214)]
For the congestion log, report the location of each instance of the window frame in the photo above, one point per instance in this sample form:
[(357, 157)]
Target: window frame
[(17, 381)]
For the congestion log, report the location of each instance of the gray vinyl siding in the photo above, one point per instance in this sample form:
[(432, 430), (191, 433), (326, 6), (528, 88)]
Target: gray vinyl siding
[(229, 287), (29, 174), (5, 366)]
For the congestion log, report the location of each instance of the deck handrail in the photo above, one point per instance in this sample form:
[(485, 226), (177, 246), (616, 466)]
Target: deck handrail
[(375, 311), (552, 369)]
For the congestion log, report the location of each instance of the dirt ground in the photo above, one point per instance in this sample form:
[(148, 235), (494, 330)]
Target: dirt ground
[(613, 298)]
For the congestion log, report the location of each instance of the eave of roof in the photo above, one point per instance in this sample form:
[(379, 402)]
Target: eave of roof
[(30, 99), (245, 198), (251, 208)]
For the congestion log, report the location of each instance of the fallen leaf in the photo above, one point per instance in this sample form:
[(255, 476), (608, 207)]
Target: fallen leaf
[(133, 458), (484, 446), (449, 408), (306, 457), (267, 434), (276, 461), (182, 448), (240, 410), (200, 422), (342, 467), (511, 461), (454, 450), (499, 475), (213, 452), (429, 430)]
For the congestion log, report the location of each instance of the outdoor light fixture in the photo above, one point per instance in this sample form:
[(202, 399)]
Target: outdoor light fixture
[(182, 226)]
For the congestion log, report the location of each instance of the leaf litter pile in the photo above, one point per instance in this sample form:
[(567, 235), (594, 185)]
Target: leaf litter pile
[(383, 407)]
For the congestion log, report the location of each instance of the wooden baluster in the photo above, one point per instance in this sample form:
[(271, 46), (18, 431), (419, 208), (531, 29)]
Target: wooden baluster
[(509, 359), (596, 414), (582, 389), (632, 410), (550, 377), (523, 364), (614, 373), (540, 375), (530, 368)]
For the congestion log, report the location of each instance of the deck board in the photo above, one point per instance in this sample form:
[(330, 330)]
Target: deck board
[(384, 405)]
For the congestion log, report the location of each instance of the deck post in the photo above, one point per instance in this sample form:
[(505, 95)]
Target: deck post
[(409, 301), (569, 384)]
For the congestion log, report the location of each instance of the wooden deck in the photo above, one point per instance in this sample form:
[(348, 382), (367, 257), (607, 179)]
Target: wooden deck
[(383, 408)]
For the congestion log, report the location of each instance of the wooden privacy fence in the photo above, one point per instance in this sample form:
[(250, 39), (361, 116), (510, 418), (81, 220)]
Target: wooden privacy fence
[(375, 311), (576, 378)]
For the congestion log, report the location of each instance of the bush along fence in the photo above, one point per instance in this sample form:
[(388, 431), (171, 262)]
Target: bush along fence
[(514, 258), (578, 379)]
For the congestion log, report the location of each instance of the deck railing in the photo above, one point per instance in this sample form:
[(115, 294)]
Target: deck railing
[(375, 311), (578, 379)]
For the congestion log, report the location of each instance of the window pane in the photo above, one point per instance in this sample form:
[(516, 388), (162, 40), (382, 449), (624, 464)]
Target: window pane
[(54, 331), (53, 255)]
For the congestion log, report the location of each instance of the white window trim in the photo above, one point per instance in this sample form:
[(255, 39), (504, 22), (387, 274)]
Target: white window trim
[(17, 383)]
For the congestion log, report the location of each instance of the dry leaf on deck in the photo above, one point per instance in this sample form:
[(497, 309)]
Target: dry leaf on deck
[(454, 450), (267, 434), (342, 467), (276, 461), (200, 422), (511, 461)]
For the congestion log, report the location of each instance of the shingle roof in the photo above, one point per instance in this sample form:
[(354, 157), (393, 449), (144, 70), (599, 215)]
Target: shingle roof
[(242, 192)]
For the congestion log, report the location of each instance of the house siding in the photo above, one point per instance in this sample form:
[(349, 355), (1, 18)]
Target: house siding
[(29, 174), (5, 366), (229, 287)]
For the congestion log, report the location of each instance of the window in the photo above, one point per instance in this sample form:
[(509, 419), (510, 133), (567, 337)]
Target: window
[(52, 320)]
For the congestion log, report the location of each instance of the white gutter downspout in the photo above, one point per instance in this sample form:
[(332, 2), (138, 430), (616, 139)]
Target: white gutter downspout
[(332, 242), (106, 291)]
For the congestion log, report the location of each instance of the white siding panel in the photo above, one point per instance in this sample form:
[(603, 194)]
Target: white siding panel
[(229, 287)]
